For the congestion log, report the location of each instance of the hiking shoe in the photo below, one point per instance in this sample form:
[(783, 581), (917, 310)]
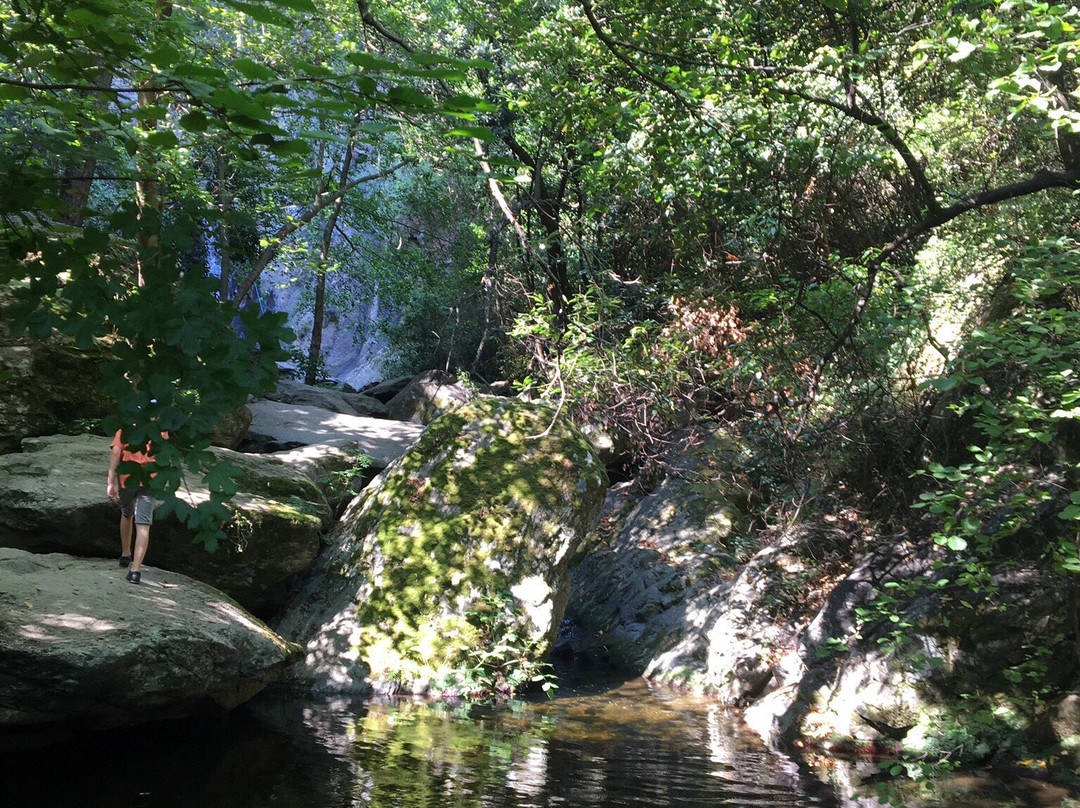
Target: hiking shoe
[(134, 576), (125, 561)]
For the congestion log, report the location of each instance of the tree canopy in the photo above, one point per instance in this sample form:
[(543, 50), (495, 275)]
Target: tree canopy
[(827, 219)]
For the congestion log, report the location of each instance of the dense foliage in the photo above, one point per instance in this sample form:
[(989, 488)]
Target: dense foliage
[(145, 144), (846, 227)]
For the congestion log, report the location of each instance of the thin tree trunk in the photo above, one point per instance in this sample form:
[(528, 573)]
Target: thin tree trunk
[(319, 313), (79, 178), (148, 184), (224, 207)]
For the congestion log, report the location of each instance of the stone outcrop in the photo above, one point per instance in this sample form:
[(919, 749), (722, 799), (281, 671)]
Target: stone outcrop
[(278, 427), (82, 648), (493, 499), (232, 427), (387, 389), (45, 386), (427, 396), (809, 627), (52, 499), (326, 398), (655, 576)]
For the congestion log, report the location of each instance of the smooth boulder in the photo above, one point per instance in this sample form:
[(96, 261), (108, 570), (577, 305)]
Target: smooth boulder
[(279, 427), (491, 502), (52, 499), (427, 396), (328, 398), (81, 647)]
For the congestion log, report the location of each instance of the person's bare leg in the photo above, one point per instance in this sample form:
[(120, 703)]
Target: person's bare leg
[(125, 534), (142, 541)]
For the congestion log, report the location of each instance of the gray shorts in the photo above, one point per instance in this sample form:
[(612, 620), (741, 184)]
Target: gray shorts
[(137, 501)]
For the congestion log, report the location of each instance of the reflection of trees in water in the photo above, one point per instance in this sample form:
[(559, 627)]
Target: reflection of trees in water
[(596, 751)]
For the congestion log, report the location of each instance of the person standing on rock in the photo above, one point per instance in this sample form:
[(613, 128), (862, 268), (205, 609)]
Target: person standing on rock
[(136, 504)]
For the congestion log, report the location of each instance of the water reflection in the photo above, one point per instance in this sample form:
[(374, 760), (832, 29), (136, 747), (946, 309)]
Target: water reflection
[(599, 746), (605, 745)]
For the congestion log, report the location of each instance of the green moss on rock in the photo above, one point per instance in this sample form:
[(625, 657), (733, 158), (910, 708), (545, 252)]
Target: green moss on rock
[(493, 498)]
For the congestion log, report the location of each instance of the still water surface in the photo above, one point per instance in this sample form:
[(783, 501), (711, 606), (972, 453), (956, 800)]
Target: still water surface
[(602, 745)]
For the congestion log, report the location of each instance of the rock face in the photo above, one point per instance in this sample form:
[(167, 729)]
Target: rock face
[(427, 396), (231, 429), (340, 469), (52, 499), (490, 501), (387, 389), (650, 587), (290, 392), (80, 646), (809, 628), (51, 385)]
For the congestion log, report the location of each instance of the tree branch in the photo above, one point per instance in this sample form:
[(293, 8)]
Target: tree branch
[(613, 46), (852, 110), (1040, 181), (322, 201)]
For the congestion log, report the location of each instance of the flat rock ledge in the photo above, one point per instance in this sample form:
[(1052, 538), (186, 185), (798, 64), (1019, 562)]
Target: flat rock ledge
[(81, 648)]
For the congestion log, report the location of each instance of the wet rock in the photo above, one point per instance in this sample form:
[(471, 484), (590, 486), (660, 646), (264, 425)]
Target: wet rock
[(80, 646), (492, 501)]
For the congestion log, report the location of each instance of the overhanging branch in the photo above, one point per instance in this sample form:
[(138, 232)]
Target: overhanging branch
[(324, 200)]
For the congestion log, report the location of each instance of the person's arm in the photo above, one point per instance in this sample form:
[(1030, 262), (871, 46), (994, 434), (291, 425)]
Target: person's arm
[(112, 482)]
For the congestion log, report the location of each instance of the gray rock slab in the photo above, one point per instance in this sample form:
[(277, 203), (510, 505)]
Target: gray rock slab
[(80, 646), (304, 425), (291, 392), (52, 499)]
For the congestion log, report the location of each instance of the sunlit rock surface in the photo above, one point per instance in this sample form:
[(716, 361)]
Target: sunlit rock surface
[(277, 427), (291, 392), (52, 499), (493, 499), (427, 396), (81, 647)]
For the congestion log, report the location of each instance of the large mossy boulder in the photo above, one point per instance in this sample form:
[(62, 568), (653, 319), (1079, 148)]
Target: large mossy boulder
[(82, 648), (52, 499), (492, 501)]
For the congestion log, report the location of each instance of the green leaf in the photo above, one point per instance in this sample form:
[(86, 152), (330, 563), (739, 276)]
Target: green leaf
[(162, 139), (251, 69), (944, 384), (260, 13), (1070, 512), (376, 127), (407, 96), (164, 57), (194, 121), (306, 6), (370, 61), (479, 132), (9, 92)]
